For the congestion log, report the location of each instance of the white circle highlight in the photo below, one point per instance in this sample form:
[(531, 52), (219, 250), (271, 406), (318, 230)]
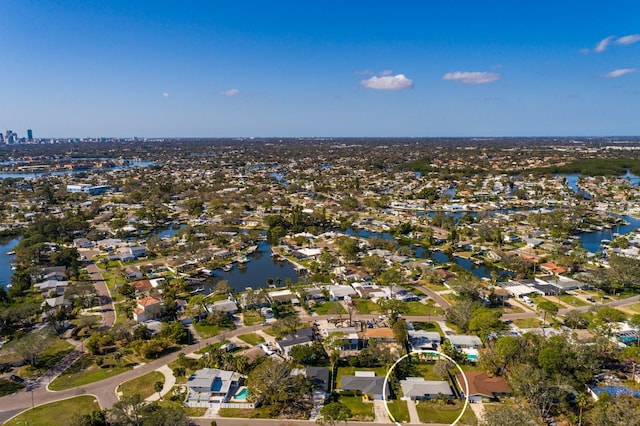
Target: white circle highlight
[(439, 354)]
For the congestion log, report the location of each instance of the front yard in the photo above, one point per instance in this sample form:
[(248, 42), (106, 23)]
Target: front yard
[(445, 412), (56, 413), (360, 410)]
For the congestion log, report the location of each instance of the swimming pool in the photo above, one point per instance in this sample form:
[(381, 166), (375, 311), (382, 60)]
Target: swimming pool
[(242, 394)]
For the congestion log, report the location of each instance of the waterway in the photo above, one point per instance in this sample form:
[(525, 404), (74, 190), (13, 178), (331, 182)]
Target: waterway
[(33, 175), (261, 267), (480, 271), (6, 272), (591, 240)]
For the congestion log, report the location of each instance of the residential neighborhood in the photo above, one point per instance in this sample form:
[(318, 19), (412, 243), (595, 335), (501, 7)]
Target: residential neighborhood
[(284, 279)]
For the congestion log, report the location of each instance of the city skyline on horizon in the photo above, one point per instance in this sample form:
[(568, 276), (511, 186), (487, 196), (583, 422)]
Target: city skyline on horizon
[(162, 70)]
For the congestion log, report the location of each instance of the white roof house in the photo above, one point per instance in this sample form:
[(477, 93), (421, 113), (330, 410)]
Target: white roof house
[(339, 292), (465, 341)]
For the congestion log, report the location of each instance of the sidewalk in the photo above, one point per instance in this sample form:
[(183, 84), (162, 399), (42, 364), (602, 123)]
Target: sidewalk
[(169, 383)]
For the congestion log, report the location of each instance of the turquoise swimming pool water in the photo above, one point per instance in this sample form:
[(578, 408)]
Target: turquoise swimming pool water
[(242, 395)]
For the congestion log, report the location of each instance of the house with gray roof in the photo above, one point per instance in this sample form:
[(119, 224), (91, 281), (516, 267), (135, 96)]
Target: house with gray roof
[(460, 342), (417, 388), (367, 384)]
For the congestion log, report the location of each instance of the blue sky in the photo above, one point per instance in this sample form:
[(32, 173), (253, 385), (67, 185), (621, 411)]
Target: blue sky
[(325, 68)]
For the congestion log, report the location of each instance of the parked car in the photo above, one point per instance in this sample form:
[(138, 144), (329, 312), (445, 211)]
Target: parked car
[(16, 379)]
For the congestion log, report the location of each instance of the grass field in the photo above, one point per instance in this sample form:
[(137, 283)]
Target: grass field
[(7, 387), (245, 413), (142, 385), (251, 338), (572, 300), (205, 331), (438, 412), (428, 326), (252, 317), (366, 306), (361, 411), (527, 322), (435, 287), (423, 309), (635, 307), (78, 375), (48, 358), (56, 413), (328, 308), (399, 411)]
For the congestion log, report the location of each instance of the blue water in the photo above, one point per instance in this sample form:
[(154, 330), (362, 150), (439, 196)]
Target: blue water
[(242, 395), (255, 273), (169, 231), (5, 260), (72, 172), (591, 240), (480, 271)]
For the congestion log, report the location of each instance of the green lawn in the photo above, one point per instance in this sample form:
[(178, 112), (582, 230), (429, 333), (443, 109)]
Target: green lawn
[(328, 308), (85, 371), (7, 387), (428, 326), (246, 413), (48, 358), (56, 413), (537, 299), (142, 385), (252, 317), (438, 412), (635, 307), (360, 410), (426, 371), (205, 331), (572, 300), (420, 309), (366, 306), (251, 338), (435, 287), (399, 411), (527, 322)]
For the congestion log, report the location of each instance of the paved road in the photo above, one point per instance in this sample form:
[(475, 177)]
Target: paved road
[(441, 301), (104, 296), (105, 390)]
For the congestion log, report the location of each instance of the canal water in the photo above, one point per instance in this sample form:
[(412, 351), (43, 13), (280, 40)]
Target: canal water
[(261, 267), (591, 240), (33, 175), (6, 246)]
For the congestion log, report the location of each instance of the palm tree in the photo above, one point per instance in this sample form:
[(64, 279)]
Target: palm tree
[(582, 403), (157, 386)]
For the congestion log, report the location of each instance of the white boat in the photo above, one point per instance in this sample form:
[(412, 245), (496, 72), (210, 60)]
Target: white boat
[(227, 268), (11, 253)]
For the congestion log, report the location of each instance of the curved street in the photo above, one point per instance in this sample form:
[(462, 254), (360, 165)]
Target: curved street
[(105, 390)]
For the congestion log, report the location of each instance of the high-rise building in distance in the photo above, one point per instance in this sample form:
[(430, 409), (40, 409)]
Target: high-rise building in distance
[(29, 135)]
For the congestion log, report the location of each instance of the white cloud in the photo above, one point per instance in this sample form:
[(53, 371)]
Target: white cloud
[(619, 72), (602, 44), (388, 82), (165, 94), (230, 92), (386, 72), (628, 39), (474, 77)]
